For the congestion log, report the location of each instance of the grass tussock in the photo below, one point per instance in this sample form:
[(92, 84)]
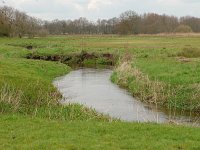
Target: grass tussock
[(45, 105), (10, 97), (138, 83), (189, 52)]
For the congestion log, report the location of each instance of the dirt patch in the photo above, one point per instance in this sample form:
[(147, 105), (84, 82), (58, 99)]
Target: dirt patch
[(41, 57), (84, 55), (29, 47), (77, 58), (108, 55)]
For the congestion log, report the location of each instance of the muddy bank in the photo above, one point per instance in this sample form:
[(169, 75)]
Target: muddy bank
[(77, 58)]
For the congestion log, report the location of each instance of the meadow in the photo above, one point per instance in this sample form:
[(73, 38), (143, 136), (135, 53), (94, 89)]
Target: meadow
[(163, 70)]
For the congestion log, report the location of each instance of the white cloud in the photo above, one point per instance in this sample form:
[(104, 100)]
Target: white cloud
[(94, 9), (97, 4)]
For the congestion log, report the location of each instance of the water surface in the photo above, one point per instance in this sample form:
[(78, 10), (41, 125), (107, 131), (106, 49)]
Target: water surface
[(93, 88)]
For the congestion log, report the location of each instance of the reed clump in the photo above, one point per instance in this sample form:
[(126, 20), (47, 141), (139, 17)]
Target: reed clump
[(44, 105), (138, 83), (9, 97), (173, 97)]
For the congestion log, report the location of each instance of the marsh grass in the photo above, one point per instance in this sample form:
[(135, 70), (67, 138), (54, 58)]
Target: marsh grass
[(189, 52), (138, 83), (13, 101), (10, 97)]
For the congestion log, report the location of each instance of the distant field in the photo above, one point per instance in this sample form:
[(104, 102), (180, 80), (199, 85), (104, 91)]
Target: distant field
[(171, 61)]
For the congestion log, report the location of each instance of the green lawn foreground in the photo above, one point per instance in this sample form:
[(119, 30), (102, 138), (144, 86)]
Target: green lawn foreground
[(19, 132)]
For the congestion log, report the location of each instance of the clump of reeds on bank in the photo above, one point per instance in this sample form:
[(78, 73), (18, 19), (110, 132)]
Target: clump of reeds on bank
[(10, 98), (15, 101), (162, 94), (139, 84)]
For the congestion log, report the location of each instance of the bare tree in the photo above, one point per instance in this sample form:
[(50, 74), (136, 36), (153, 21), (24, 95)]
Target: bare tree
[(129, 23), (17, 23)]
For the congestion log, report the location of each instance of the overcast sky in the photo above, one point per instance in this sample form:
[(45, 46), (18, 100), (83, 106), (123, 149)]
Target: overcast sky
[(94, 9)]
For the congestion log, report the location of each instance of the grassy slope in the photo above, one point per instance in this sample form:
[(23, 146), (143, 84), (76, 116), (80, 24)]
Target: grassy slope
[(26, 86), (22, 74)]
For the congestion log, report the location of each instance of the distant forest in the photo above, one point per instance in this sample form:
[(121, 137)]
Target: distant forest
[(16, 23)]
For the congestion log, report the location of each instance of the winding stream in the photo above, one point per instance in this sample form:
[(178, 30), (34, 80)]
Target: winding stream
[(93, 88)]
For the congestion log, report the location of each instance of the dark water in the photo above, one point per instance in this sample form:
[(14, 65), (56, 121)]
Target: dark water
[(93, 88)]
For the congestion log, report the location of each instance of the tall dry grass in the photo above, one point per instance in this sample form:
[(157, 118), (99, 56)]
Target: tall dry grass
[(189, 52), (149, 91), (176, 98), (15, 101), (10, 96)]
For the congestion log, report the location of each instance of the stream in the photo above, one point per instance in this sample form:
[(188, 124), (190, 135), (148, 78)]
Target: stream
[(93, 88)]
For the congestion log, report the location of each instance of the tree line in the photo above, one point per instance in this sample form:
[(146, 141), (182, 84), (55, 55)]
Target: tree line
[(17, 23)]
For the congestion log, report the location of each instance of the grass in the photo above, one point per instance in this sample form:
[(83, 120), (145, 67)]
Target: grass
[(29, 101), (19, 132)]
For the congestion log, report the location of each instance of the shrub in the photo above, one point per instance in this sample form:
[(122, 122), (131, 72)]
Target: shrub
[(183, 29)]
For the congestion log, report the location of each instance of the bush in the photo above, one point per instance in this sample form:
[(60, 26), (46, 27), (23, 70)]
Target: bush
[(183, 29), (43, 33)]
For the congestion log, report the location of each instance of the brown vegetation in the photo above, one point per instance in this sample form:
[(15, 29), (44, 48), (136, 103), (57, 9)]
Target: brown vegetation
[(76, 58), (190, 52), (150, 91), (10, 96)]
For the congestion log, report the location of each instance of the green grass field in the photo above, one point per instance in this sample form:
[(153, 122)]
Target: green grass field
[(164, 68), (18, 132)]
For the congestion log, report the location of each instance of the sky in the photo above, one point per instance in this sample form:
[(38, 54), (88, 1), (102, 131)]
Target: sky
[(104, 9)]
